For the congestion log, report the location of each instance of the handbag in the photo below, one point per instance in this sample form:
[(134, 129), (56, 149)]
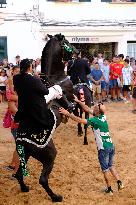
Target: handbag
[(7, 119)]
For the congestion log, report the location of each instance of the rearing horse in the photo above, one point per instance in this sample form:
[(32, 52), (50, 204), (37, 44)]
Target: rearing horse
[(33, 138)]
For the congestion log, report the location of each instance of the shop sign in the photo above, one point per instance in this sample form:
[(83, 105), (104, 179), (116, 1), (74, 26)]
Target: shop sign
[(77, 39)]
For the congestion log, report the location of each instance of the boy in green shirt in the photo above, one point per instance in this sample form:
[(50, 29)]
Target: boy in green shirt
[(104, 143)]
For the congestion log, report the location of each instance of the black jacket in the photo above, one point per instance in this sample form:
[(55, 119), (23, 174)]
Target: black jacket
[(78, 70), (32, 107)]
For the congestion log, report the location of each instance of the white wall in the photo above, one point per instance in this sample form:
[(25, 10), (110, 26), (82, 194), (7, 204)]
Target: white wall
[(90, 10), (22, 40), (25, 38), (76, 11)]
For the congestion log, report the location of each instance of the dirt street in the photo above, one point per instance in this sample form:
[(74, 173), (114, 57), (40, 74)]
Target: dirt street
[(76, 174)]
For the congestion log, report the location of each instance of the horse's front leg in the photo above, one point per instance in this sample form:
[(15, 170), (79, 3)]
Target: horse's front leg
[(79, 127), (85, 128)]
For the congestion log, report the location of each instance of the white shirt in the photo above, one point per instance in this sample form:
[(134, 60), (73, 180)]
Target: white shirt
[(127, 73), (100, 61), (3, 78), (38, 69)]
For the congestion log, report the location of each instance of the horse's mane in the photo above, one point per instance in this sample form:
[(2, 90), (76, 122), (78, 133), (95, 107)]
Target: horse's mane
[(51, 59)]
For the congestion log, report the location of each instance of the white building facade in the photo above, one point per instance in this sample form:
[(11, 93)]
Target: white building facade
[(92, 26)]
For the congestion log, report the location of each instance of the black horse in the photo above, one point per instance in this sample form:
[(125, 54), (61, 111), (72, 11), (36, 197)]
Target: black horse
[(37, 141), (52, 71), (84, 94)]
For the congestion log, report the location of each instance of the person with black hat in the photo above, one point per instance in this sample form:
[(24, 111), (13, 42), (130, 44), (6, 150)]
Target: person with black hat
[(36, 125), (78, 69)]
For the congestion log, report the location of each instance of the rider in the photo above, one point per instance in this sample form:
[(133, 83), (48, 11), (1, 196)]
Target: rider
[(34, 96), (36, 124), (78, 69)]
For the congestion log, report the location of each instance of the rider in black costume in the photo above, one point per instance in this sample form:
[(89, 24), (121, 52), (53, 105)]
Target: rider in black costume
[(78, 69), (36, 125)]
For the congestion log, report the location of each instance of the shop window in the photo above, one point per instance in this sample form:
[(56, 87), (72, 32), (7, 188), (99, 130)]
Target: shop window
[(131, 50), (3, 47)]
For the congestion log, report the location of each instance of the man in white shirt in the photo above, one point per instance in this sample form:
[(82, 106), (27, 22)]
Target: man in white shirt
[(126, 79)]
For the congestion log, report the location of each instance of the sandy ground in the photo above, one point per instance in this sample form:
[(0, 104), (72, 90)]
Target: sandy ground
[(76, 174)]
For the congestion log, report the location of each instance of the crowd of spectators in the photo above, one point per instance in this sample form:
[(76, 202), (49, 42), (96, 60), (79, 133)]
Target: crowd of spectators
[(114, 78), (6, 70), (111, 80)]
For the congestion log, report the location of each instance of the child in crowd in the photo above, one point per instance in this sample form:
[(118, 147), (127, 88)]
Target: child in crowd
[(3, 79), (105, 81), (126, 79), (12, 107), (106, 149), (10, 93), (134, 91), (96, 78)]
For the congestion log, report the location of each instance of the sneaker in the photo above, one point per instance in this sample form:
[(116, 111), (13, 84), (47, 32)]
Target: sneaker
[(125, 101), (134, 111), (119, 99), (13, 177), (120, 186), (108, 191), (114, 100), (106, 100), (9, 168)]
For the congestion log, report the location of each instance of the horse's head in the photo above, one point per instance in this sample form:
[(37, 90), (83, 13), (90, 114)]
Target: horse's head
[(54, 55), (56, 51)]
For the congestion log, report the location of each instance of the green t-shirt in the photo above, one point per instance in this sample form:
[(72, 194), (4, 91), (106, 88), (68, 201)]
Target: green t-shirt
[(101, 131)]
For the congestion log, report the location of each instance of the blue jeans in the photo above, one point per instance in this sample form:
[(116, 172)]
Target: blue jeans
[(14, 132), (105, 157), (113, 83), (104, 85)]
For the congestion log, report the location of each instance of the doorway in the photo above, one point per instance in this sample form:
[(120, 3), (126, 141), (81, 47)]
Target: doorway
[(92, 49)]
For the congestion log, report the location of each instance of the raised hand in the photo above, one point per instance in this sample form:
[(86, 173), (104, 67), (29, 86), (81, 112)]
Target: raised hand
[(63, 111)]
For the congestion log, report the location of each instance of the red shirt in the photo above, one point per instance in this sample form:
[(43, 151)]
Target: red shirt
[(115, 68)]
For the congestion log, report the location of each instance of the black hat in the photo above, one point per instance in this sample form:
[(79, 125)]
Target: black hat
[(25, 64)]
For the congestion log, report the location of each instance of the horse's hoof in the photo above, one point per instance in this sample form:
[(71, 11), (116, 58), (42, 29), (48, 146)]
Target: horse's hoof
[(57, 198), (85, 143), (80, 134), (25, 189)]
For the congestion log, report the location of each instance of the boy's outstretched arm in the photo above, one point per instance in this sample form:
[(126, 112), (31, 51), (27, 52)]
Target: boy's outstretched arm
[(82, 104), (72, 116)]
